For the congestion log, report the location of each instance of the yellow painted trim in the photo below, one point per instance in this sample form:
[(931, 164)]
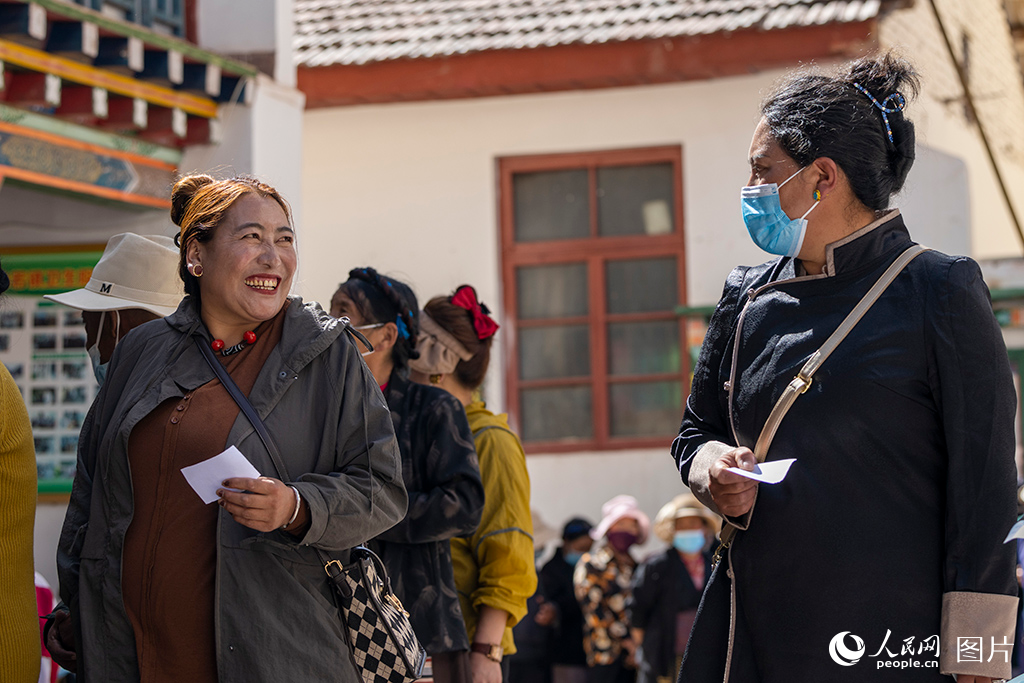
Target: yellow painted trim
[(37, 60)]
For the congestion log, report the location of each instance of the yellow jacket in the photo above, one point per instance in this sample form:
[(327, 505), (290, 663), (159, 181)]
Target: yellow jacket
[(494, 566), (19, 621)]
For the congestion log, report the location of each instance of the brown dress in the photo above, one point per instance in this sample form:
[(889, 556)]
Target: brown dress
[(170, 551)]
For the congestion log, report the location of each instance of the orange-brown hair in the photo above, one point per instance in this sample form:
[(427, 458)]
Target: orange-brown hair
[(198, 205)]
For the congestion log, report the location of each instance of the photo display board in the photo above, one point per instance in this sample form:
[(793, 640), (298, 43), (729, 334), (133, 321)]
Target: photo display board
[(43, 346)]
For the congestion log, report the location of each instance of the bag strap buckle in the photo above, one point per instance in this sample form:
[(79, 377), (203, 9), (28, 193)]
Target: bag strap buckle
[(335, 571)]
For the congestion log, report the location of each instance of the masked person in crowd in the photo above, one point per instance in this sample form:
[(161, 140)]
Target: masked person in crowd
[(494, 569), (667, 588), (569, 661), (163, 586), (885, 539), (602, 581), (19, 623), (439, 467), (135, 281)]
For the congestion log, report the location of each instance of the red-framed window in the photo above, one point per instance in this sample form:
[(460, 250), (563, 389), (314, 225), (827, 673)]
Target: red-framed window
[(593, 269)]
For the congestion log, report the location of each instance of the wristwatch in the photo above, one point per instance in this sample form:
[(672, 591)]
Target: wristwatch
[(492, 652)]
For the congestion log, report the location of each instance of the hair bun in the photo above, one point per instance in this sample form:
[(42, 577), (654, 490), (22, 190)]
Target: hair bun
[(183, 192), (882, 76), (885, 74)]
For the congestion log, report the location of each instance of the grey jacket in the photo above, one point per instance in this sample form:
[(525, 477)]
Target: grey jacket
[(276, 617)]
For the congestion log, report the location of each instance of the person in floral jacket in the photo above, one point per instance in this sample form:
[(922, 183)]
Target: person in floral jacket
[(602, 583)]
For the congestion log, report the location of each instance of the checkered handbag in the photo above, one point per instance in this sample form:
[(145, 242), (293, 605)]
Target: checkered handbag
[(380, 637), (382, 641)]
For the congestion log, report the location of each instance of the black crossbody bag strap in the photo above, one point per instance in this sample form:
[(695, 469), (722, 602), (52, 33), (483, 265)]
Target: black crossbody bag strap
[(332, 567), (247, 408)]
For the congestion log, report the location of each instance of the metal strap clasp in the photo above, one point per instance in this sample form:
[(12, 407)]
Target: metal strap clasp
[(722, 547)]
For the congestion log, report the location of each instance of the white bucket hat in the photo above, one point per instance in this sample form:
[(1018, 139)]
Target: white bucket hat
[(135, 271), (683, 505)]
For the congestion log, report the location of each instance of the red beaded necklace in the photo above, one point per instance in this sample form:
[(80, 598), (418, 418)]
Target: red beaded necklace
[(248, 338)]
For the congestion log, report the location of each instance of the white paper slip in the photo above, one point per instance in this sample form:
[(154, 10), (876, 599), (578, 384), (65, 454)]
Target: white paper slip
[(207, 476), (1016, 531), (767, 472)]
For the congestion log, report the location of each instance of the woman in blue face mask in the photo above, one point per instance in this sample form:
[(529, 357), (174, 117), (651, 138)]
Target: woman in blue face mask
[(890, 521), (667, 587)]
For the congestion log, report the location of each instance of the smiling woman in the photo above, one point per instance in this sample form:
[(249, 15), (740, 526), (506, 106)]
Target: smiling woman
[(162, 586), (248, 261)]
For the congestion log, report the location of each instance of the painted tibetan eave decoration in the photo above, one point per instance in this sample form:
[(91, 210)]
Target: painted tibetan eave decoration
[(78, 65), (51, 161)]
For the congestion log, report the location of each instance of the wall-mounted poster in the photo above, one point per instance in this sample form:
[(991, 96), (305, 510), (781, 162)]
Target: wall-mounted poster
[(43, 346)]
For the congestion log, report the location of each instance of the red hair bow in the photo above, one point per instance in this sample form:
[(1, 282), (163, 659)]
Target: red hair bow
[(465, 297)]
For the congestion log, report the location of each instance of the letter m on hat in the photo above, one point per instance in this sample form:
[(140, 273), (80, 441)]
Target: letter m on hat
[(105, 288)]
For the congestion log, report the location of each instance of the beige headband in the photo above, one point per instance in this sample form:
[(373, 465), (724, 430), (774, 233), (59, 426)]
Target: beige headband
[(439, 351)]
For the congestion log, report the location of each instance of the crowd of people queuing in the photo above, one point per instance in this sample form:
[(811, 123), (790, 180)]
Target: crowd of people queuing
[(375, 405), (404, 456)]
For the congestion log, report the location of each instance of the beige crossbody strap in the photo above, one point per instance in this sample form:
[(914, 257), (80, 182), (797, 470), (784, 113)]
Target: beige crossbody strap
[(802, 382)]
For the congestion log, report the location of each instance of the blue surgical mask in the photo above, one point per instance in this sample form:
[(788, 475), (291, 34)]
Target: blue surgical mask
[(689, 541), (573, 558), (768, 225), (100, 369)]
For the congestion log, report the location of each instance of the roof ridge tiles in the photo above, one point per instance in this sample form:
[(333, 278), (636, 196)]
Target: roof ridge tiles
[(363, 31)]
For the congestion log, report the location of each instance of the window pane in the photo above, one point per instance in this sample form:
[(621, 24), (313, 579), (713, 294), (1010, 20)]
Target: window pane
[(552, 414), (551, 205), (642, 285), (552, 291), (643, 348), (552, 352), (635, 200), (645, 408)]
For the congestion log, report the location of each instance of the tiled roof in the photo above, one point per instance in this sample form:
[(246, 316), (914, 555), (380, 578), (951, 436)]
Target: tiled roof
[(363, 31)]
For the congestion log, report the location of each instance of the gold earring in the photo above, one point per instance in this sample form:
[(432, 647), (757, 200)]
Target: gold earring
[(435, 379)]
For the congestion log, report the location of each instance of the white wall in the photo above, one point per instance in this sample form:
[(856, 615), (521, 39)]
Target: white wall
[(939, 113), (277, 140), (263, 138), (425, 174), (236, 26), (250, 26), (935, 202), (576, 484), (411, 189)]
